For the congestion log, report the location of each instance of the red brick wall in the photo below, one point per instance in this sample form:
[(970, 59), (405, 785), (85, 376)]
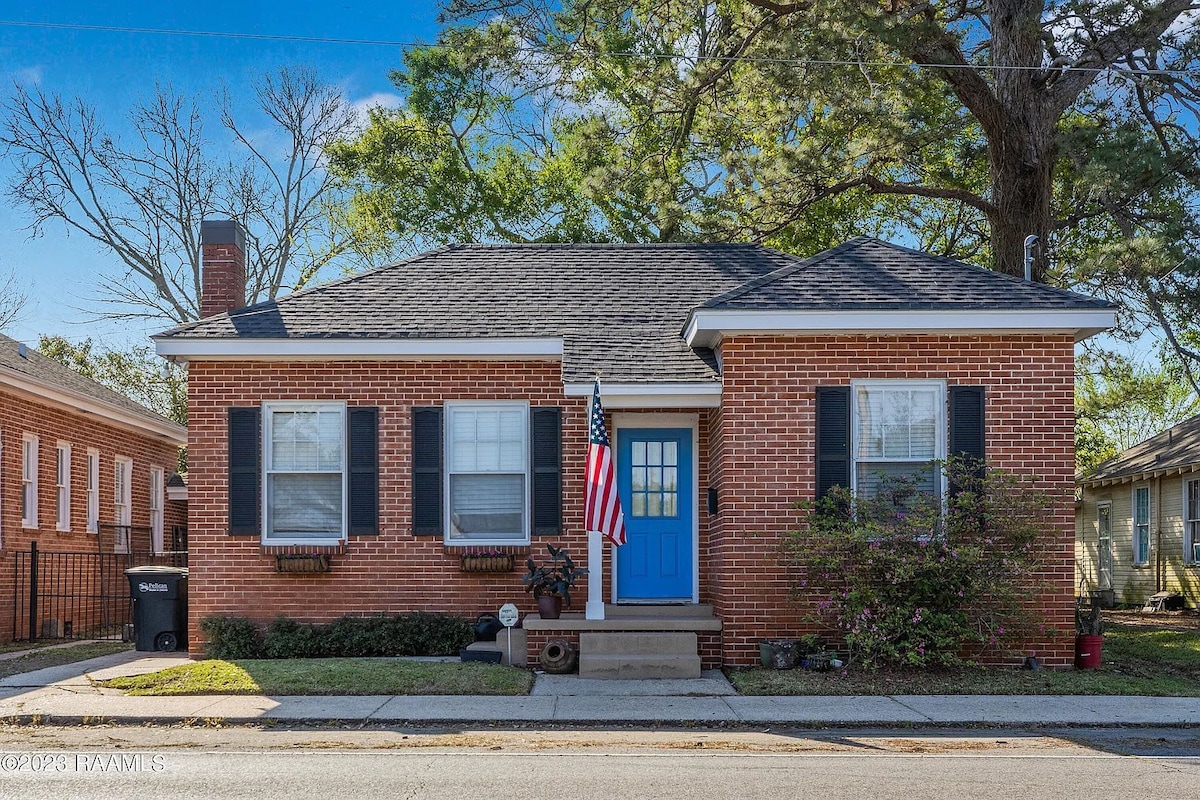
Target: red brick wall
[(20, 414), (394, 571), (764, 456), (757, 450)]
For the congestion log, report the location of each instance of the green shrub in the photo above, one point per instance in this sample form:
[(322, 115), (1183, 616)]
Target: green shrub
[(910, 579), (287, 638), (417, 634), (436, 634), (232, 638)]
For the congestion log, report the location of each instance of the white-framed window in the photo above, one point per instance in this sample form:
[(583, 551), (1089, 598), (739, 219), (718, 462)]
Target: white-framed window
[(304, 466), (487, 473), (122, 502), (1141, 525), (62, 487), (898, 429), (93, 490), (156, 508), (29, 480), (1104, 545), (1191, 521)]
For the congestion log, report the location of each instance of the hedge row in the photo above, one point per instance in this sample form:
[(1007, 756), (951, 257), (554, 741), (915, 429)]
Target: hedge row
[(416, 634)]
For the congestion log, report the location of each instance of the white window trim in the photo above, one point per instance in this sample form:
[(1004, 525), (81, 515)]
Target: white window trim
[(1103, 505), (122, 503), (158, 478), (29, 442), (266, 537), (940, 429), (447, 527), (93, 490), (1133, 527), (1189, 514), (62, 487)]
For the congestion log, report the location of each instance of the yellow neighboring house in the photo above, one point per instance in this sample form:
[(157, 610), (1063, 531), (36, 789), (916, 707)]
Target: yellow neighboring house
[(1137, 522)]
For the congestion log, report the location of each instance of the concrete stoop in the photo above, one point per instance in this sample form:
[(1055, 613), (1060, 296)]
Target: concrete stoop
[(639, 655)]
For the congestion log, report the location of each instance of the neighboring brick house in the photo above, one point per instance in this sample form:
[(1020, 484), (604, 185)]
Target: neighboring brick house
[(81, 467), (1138, 520), (387, 421)]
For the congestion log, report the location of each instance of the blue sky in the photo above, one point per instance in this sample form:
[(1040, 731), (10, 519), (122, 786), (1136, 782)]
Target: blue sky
[(113, 70)]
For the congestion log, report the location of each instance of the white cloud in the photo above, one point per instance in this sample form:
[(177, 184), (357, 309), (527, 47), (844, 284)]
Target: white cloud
[(29, 76), (376, 100)]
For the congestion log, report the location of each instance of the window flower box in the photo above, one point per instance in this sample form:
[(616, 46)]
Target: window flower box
[(485, 561)]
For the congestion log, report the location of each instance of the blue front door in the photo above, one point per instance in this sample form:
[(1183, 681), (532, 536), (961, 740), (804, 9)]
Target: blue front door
[(654, 477)]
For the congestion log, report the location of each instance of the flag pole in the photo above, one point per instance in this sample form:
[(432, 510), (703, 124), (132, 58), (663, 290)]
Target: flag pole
[(595, 601)]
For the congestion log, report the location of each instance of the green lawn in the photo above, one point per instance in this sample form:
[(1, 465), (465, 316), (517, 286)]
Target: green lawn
[(56, 657), (320, 676), (1138, 660)]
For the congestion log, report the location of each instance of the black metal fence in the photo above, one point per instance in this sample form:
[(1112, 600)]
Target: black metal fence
[(77, 595)]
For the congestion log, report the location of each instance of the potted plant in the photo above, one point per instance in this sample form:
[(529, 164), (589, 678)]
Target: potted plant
[(1089, 633), (551, 582)]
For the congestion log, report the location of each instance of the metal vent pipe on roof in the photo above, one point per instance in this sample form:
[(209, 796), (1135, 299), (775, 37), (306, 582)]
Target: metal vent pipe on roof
[(22, 350), (1031, 241)]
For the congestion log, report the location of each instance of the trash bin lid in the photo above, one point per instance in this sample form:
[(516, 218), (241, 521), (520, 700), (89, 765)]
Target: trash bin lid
[(180, 572)]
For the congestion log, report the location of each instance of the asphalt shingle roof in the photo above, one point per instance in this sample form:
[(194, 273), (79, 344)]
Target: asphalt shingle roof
[(868, 274), (51, 373), (618, 308), (1174, 448)]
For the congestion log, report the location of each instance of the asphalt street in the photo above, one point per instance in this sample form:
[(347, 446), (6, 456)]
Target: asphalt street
[(115, 762)]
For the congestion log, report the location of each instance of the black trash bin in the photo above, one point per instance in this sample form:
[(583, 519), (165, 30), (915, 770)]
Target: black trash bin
[(159, 607)]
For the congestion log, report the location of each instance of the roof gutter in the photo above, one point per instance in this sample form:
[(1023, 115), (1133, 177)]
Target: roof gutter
[(1133, 477), (707, 326), (651, 395), (76, 401), (183, 349)]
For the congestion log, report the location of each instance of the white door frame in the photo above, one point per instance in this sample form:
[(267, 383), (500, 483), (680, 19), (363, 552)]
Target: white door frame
[(635, 420)]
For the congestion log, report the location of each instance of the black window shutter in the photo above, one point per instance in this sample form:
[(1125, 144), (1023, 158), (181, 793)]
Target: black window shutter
[(363, 425), (966, 427), (833, 438), (427, 471), (244, 480), (966, 421), (545, 425)]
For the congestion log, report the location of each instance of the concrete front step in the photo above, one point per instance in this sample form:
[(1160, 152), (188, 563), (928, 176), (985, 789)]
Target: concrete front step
[(680, 643), (638, 655), (681, 611), (639, 667)]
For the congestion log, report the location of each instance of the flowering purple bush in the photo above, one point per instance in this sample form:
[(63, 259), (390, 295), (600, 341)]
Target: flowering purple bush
[(909, 578)]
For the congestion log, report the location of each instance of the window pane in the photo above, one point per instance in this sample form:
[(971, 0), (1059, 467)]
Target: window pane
[(669, 477), (639, 478), (670, 454), (487, 506), (897, 423), (639, 504), (639, 454), (654, 453), (305, 505), (870, 476), (654, 505)]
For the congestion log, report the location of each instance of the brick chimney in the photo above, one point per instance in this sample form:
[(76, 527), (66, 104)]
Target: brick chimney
[(222, 266)]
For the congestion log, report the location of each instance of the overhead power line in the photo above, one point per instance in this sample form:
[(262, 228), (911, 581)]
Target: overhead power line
[(277, 37)]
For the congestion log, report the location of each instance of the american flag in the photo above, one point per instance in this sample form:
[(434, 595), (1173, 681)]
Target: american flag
[(602, 506)]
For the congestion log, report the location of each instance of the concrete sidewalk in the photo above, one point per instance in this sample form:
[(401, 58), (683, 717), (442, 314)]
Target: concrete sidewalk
[(67, 695)]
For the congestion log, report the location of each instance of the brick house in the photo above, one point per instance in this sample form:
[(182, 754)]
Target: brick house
[(388, 422), (83, 469)]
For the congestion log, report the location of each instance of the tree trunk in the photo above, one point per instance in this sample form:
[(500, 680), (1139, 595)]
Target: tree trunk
[(1020, 147), (1022, 170)]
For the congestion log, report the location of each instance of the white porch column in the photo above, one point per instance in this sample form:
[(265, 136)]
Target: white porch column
[(595, 566)]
